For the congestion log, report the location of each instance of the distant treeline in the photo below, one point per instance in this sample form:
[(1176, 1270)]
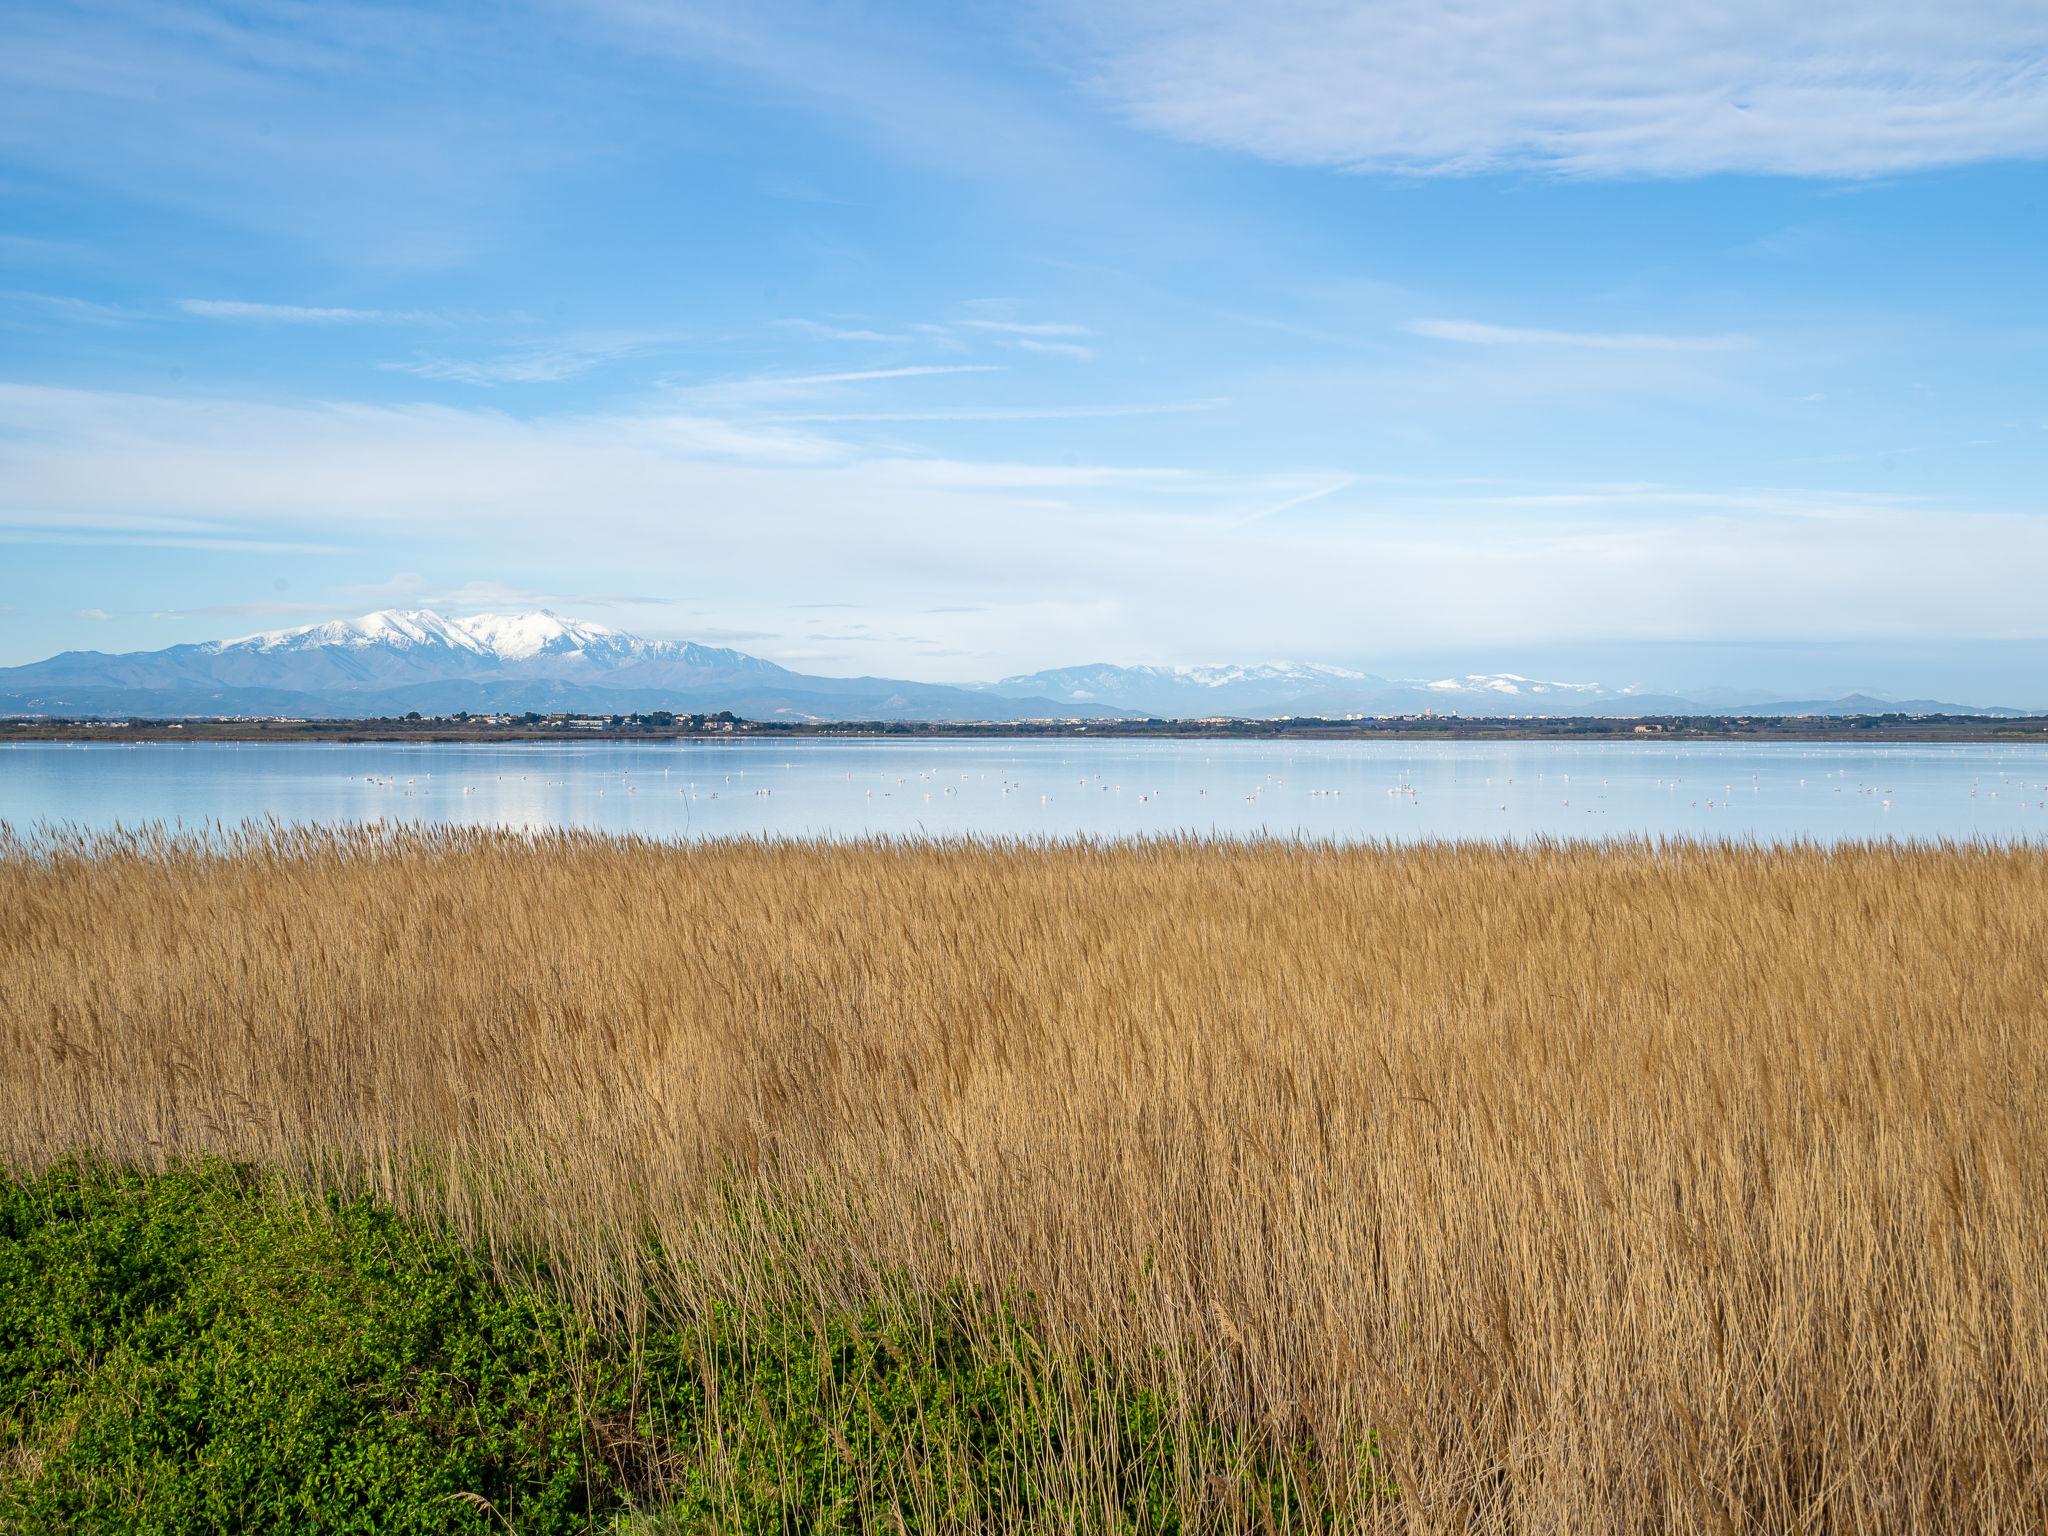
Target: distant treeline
[(665, 724)]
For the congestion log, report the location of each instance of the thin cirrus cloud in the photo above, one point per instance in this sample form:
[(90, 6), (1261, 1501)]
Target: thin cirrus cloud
[(546, 364), (1032, 328), (539, 367), (1832, 88), (291, 314), (825, 332), (970, 413), (1479, 334), (865, 375), (1056, 348), (1048, 338), (767, 389)]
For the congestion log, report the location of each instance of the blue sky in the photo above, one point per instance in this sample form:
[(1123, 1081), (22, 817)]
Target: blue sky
[(950, 341)]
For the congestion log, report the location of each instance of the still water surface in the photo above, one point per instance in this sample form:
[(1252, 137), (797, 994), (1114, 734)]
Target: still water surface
[(1347, 791)]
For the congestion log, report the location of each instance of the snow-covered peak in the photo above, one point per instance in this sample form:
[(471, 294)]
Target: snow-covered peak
[(1267, 672), (539, 644), (518, 636), (504, 636), (399, 628), (1104, 680), (1505, 682)]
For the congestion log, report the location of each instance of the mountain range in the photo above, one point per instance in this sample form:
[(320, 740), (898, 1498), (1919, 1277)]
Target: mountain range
[(1303, 688), (390, 663), (1318, 689)]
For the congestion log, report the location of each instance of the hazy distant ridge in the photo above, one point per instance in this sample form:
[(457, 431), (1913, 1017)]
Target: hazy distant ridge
[(1288, 688), (393, 662)]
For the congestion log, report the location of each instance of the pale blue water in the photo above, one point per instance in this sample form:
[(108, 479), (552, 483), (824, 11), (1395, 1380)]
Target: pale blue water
[(1339, 790)]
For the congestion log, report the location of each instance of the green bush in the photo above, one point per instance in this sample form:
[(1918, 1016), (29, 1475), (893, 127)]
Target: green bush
[(199, 1351), (187, 1354)]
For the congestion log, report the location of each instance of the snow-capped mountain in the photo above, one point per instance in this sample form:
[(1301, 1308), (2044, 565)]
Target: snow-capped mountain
[(1313, 689), (1192, 692), (542, 643), (395, 661), (1309, 688), (392, 662), (1513, 685), (402, 631)]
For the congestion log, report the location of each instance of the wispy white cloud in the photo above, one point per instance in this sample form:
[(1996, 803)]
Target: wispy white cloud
[(1050, 338), (528, 368), (767, 389), (546, 363), (826, 332), (1837, 88), (538, 367), (1479, 334), (1002, 476), (293, 314), (1009, 412), (1316, 491), (684, 435), (1069, 560), (1056, 348), (866, 375), (1038, 328), (1057, 338)]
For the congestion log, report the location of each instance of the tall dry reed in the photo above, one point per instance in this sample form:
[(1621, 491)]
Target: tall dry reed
[(1627, 1187)]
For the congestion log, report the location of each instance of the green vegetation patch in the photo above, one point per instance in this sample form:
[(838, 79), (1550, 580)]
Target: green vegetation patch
[(937, 1418), (199, 1352), (188, 1353)]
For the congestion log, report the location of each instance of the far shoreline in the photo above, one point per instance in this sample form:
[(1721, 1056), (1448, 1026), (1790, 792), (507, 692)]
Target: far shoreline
[(460, 730)]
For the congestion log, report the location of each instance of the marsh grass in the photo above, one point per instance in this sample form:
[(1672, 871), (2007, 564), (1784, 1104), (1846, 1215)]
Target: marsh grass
[(1567, 1187)]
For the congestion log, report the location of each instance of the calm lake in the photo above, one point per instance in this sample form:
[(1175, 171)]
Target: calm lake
[(1337, 790)]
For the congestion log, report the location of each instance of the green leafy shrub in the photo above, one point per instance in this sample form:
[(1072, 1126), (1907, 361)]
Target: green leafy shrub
[(201, 1351), (185, 1353)]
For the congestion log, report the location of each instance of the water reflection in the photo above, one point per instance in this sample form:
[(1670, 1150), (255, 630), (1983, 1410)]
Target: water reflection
[(1339, 790)]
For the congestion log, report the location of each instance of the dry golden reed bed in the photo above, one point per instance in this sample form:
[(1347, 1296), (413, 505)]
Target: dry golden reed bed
[(1629, 1187)]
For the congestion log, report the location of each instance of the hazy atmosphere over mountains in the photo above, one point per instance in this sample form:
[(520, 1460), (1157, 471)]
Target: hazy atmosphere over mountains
[(393, 662)]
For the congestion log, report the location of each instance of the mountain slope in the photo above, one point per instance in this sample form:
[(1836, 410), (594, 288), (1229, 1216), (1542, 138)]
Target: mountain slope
[(396, 661), (1294, 688), (392, 662), (1297, 689), (1192, 692)]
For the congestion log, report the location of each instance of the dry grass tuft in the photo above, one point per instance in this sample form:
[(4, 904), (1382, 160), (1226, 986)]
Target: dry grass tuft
[(1626, 1187)]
